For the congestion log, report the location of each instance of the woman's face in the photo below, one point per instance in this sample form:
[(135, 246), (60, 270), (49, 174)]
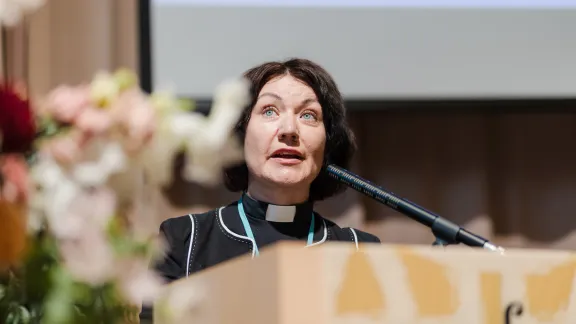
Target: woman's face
[(285, 137)]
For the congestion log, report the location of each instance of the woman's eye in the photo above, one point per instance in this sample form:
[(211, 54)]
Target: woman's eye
[(269, 112), (308, 116)]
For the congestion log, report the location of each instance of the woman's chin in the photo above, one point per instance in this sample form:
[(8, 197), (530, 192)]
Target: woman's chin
[(289, 178), (288, 182)]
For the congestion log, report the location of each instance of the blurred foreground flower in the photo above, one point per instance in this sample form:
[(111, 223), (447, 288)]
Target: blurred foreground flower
[(176, 303), (103, 149), (17, 130), (12, 234), (17, 127), (14, 182), (11, 11), (79, 225), (210, 145)]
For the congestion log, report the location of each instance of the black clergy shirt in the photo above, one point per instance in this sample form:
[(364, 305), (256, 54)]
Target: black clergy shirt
[(197, 242)]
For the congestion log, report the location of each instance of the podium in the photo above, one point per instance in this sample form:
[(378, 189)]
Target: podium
[(336, 283)]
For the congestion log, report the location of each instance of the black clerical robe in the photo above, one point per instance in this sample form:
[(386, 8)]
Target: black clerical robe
[(197, 242)]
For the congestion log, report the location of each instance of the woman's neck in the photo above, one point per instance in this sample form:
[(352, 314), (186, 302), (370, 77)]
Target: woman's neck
[(278, 195)]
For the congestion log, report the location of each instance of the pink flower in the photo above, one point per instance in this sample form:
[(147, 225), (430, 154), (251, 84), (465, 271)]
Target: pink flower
[(95, 206), (66, 148), (89, 258), (94, 121), (14, 172), (136, 118), (78, 210), (65, 103), (78, 218), (73, 105)]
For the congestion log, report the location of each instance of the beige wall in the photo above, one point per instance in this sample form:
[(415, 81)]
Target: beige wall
[(67, 41), (510, 177)]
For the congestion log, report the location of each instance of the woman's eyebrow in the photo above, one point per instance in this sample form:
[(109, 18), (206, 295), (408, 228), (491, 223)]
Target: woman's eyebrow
[(270, 94)]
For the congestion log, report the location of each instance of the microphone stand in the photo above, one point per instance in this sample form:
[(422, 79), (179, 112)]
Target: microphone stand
[(445, 231)]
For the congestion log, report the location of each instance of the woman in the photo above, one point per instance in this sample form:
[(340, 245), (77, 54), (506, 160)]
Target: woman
[(295, 125)]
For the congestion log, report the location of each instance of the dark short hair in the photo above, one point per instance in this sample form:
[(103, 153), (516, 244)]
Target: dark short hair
[(340, 142)]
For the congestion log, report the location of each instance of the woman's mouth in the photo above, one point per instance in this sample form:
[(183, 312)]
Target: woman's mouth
[(289, 157)]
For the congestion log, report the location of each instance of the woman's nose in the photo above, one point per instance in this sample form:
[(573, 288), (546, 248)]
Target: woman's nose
[(288, 129)]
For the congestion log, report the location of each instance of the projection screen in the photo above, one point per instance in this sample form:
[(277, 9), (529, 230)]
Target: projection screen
[(375, 49)]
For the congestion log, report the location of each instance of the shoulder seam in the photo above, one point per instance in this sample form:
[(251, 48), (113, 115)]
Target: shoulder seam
[(234, 236), (206, 215)]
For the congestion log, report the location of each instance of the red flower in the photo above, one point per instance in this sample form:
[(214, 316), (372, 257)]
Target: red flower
[(17, 126)]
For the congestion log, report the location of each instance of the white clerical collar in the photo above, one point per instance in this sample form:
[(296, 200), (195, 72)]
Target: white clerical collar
[(281, 214), (277, 213)]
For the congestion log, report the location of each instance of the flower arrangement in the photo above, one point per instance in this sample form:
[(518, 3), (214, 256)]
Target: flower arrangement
[(17, 130), (78, 172)]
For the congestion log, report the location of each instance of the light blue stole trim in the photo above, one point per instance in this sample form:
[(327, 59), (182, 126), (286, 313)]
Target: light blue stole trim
[(249, 233)]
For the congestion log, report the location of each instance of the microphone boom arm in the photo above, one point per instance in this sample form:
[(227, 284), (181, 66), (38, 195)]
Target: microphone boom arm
[(445, 231)]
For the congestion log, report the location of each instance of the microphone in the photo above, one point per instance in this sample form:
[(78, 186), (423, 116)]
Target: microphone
[(445, 231)]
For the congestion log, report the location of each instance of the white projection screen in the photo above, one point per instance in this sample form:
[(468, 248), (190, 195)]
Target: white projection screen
[(376, 50)]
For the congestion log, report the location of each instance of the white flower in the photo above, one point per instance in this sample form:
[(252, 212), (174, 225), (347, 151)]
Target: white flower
[(67, 206), (166, 103), (210, 144), (205, 164), (78, 218), (230, 99), (11, 11), (141, 212), (104, 89), (104, 158), (55, 193), (44, 175), (57, 202), (157, 158)]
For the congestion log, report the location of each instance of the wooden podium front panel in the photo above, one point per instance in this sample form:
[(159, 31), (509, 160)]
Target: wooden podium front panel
[(333, 283), (280, 286), (426, 285)]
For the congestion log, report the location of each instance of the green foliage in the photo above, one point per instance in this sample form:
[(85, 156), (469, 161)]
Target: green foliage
[(41, 291)]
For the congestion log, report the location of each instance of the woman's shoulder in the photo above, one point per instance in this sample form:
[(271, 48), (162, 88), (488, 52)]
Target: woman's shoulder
[(180, 227), (350, 233)]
